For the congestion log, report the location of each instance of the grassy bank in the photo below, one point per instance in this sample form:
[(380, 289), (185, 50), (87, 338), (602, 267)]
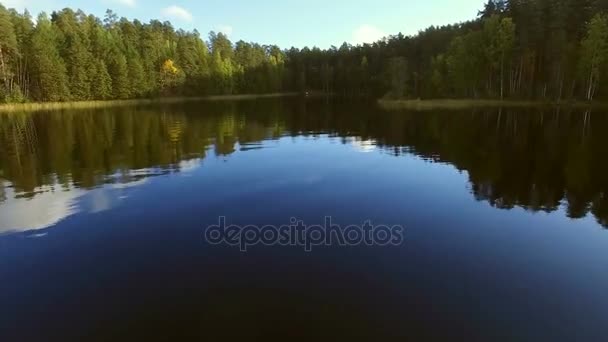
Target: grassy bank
[(18, 107), (472, 103)]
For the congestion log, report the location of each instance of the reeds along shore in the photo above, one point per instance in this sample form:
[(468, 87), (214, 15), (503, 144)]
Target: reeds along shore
[(41, 106), (474, 103)]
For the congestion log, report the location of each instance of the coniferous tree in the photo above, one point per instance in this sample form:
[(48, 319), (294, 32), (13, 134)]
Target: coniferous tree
[(136, 77), (102, 81), (8, 52), (118, 71), (397, 71), (23, 32), (594, 52), (49, 73), (549, 49), (75, 51)]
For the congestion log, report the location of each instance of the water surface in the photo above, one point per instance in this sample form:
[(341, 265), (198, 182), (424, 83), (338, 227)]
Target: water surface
[(102, 215)]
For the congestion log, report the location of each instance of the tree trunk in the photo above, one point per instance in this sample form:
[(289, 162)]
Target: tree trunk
[(572, 89), (560, 93), (3, 69), (502, 73), (590, 87), (521, 73)]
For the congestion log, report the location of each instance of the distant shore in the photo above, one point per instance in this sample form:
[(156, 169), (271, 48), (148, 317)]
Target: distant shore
[(38, 106), (477, 103), (404, 104)]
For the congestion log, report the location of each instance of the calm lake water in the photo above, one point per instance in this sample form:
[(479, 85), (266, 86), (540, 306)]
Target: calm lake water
[(103, 213)]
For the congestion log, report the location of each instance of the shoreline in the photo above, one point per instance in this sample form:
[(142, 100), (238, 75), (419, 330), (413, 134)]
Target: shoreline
[(39, 106), (477, 103)]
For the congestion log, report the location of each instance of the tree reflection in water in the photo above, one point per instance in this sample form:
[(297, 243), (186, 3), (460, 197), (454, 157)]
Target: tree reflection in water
[(536, 158)]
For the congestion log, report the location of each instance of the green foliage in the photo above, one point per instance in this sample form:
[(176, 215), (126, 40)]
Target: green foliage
[(517, 49), (397, 75), (221, 75), (136, 77), (49, 73), (594, 52), (438, 74), (76, 52), (102, 80), (192, 57), (221, 44), (8, 50), (8, 39), (118, 71), (170, 77)]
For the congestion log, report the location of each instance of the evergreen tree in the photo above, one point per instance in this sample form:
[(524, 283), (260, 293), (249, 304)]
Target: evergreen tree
[(221, 44), (136, 77), (49, 73), (397, 71), (192, 56), (75, 50), (515, 49), (594, 52), (118, 71), (102, 81), (23, 32), (8, 51)]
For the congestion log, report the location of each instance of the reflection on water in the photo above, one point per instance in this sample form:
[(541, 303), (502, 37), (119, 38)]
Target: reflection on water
[(44, 209), (48, 204), (537, 159), (101, 215)]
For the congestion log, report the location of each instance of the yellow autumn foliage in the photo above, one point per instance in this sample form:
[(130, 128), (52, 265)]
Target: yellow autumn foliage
[(169, 67)]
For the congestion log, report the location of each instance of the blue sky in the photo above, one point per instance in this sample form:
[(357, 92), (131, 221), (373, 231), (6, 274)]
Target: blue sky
[(286, 23)]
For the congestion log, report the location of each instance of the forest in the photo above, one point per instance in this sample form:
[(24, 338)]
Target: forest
[(513, 49)]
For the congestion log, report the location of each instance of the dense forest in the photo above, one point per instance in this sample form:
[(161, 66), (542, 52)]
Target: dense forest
[(516, 49)]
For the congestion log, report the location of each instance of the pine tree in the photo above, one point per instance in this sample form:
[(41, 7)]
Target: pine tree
[(118, 71), (504, 44), (102, 81), (192, 57), (23, 31), (76, 51), (8, 51), (397, 76), (594, 52), (137, 78), (48, 68), (221, 44)]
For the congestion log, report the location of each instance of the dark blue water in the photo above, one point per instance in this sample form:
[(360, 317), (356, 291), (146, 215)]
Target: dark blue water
[(103, 214)]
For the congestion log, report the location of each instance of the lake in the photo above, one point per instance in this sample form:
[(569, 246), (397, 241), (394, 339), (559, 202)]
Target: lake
[(103, 218)]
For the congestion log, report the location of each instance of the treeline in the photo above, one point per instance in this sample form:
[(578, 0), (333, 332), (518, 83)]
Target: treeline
[(71, 56), (520, 49), (517, 49)]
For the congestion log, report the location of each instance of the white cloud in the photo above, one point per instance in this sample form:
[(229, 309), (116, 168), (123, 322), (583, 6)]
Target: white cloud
[(367, 34), (176, 12), (225, 29), (18, 4), (128, 3)]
